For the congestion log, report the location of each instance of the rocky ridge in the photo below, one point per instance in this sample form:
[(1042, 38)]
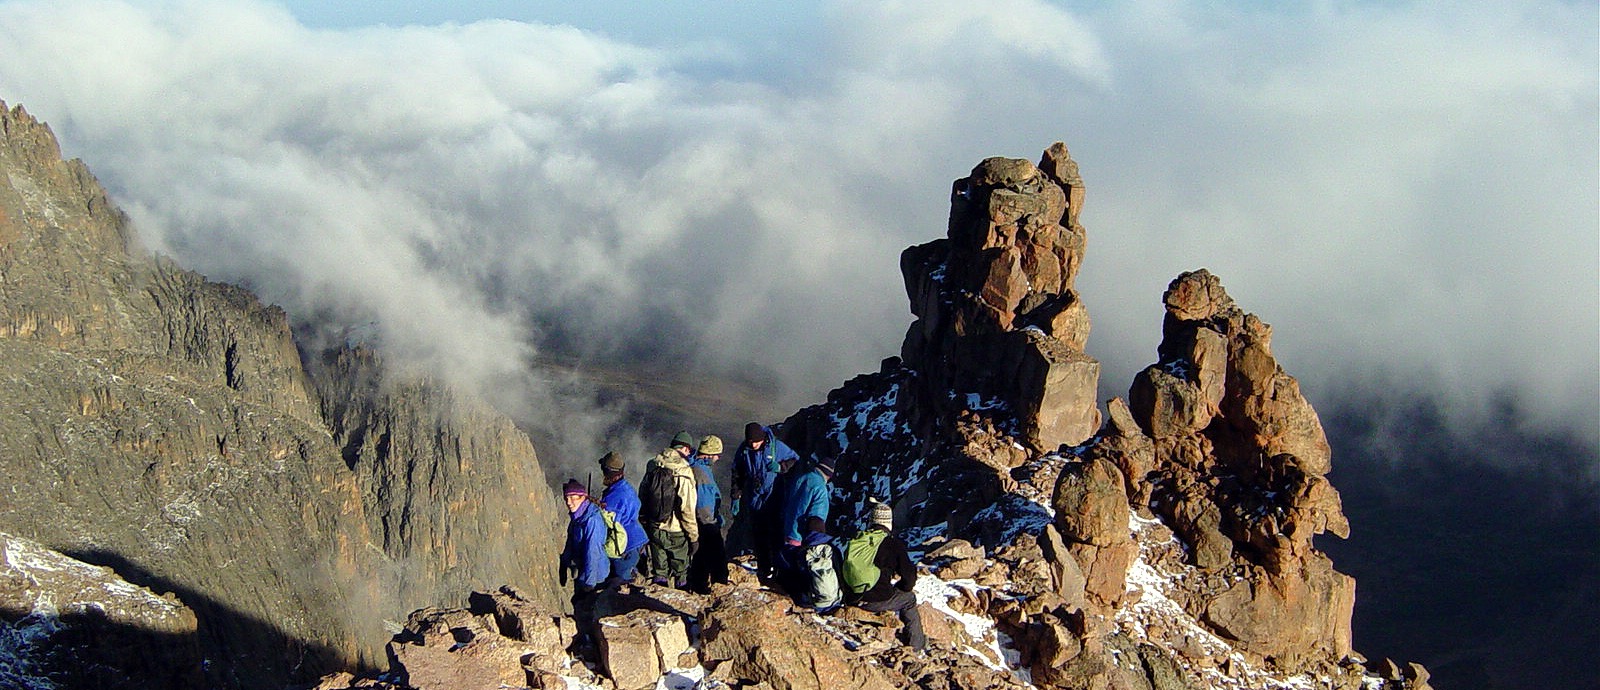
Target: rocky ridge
[(169, 426), (1169, 547)]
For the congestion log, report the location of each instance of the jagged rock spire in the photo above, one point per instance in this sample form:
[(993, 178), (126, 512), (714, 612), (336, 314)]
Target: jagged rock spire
[(997, 315), (1217, 439)]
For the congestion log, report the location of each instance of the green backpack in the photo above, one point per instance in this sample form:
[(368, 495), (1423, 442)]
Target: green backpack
[(616, 536), (860, 572)]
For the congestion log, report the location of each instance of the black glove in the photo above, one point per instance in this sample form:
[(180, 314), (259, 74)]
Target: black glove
[(563, 576), (694, 547)]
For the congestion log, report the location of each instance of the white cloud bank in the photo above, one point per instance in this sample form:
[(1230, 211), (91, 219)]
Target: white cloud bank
[(1407, 189)]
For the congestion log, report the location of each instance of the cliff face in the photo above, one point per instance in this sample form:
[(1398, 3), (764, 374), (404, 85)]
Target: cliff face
[(1169, 546), (165, 425)]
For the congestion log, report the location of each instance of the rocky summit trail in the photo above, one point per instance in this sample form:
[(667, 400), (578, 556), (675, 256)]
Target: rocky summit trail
[(1166, 546)]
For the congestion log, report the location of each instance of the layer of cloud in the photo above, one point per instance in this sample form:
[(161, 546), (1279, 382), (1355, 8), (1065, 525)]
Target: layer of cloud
[(1402, 188)]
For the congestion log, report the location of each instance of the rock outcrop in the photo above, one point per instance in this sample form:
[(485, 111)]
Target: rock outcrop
[(167, 426), (992, 370), (1234, 459), (1170, 545), (997, 315), (68, 624)]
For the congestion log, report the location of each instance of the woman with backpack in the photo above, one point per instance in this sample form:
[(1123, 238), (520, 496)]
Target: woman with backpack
[(584, 557)]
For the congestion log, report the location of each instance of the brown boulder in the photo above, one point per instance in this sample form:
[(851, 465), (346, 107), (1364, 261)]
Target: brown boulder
[(958, 559), (638, 646), (1167, 405), (1292, 618), (1265, 403), (1105, 569), (1123, 443), (547, 632), (751, 637), (1091, 503), (1057, 164), (1056, 392), (1196, 296), (485, 662), (1065, 574)]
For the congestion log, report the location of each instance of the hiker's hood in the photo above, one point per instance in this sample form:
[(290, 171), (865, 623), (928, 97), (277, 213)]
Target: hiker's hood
[(671, 459)]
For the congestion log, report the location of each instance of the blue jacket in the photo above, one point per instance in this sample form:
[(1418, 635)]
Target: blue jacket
[(621, 498), (754, 470), (708, 496), (808, 495), (586, 546)]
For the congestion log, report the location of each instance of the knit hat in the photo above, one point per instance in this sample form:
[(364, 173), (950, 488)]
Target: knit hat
[(574, 487), (711, 445), (683, 438), (754, 432), (826, 465), (610, 463), (883, 516)]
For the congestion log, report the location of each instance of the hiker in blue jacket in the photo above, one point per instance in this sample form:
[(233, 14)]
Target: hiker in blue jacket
[(756, 466), (710, 562), (807, 495), (584, 557), (623, 500)]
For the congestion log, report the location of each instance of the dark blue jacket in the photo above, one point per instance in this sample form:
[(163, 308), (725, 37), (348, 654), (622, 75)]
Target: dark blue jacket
[(808, 495), (586, 546), (754, 470), (623, 500), (708, 496)]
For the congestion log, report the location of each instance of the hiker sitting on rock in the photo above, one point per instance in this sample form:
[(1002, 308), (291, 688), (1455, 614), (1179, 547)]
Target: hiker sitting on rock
[(621, 499), (667, 500), (757, 464), (815, 567), (710, 562), (878, 574), (584, 558)]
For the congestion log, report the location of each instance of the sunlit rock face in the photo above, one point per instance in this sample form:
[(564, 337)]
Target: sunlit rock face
[(996, 312)]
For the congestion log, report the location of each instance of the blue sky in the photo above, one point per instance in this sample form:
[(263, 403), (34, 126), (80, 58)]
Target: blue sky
[(1405, 190)]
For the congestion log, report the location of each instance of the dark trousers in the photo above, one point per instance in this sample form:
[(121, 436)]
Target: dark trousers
[(583, 612), (764, 536), (669, 555), (710, 563), (905, 604)]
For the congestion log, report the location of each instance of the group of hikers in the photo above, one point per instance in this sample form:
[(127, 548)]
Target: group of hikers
[(669, 530)]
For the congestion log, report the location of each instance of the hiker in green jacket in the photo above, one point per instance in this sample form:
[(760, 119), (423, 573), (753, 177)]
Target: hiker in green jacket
[(895, 587)]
